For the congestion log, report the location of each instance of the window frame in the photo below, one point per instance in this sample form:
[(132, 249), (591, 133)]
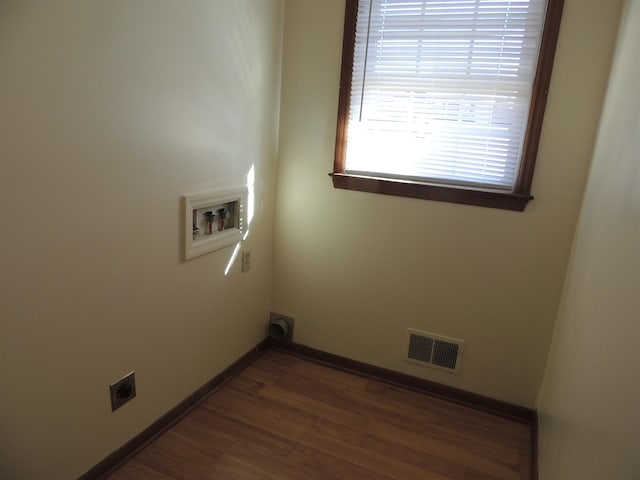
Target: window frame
[(515, 200)]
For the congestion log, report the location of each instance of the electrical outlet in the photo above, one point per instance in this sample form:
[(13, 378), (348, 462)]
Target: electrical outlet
[(123, 390), (246, 261)]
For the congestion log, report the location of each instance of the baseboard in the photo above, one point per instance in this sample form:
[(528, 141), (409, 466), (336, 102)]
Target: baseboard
[(121, 455), (534, 450), (451, 394)]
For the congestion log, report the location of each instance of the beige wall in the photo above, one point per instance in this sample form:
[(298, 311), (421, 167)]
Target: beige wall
[(355, 269), (589, 418), (110, 110)]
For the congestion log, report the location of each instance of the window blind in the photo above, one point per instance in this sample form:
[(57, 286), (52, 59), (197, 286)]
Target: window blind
[(441, 89)]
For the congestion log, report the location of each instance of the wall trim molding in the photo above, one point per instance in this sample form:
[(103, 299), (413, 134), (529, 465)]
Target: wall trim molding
[(499, 408), (534, 449), (137, 443)]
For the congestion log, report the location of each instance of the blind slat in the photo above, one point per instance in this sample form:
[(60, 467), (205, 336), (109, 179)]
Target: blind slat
[(441, 89)]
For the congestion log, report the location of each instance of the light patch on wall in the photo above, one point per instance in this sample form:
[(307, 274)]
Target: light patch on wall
[(251, 180), (241, 44), (232, 260)]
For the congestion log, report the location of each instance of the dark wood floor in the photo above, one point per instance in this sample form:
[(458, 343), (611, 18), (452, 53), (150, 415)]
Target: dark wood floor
[(288, 418)]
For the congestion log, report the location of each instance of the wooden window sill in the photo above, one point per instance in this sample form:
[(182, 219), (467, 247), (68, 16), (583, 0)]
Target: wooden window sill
[(440, 193)]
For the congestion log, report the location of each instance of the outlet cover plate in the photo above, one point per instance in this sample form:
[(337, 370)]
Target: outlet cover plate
[(123, 390), (246, 260)]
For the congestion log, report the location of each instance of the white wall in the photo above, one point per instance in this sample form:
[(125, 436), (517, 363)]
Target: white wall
[(589, 418), (109, 112), (355, 269)]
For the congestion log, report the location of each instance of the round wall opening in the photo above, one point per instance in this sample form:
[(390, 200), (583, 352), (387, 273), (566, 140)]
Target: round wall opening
[(278, 329)]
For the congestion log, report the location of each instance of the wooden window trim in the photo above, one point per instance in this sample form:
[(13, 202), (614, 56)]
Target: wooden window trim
[(521, 195)]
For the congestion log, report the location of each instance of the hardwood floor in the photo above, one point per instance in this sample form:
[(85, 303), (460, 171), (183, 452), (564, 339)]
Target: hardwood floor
[(288, 418)]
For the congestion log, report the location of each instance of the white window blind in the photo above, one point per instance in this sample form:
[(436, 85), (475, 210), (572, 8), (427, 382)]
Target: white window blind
[(441, 89)]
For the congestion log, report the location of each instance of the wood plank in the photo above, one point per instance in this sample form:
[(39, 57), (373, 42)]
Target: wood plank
[(266, 462), (471, 474), (452, 394), (284, 417), (391, 467), (321, 465), (445, 450), (231, 467), (254, 372), (254, 411), (238, 428), (450, 412), (198, 431), (134, 470), (310, 369), (170, 456), (285, 393), (246, 384)]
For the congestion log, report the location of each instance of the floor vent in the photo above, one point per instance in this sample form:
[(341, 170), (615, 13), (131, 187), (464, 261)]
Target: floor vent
[(434, 351)]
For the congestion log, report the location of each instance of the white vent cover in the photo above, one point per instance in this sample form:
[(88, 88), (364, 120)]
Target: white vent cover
[(435, 351)]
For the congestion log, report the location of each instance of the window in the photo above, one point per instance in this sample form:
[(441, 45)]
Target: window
[(444, 99)]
